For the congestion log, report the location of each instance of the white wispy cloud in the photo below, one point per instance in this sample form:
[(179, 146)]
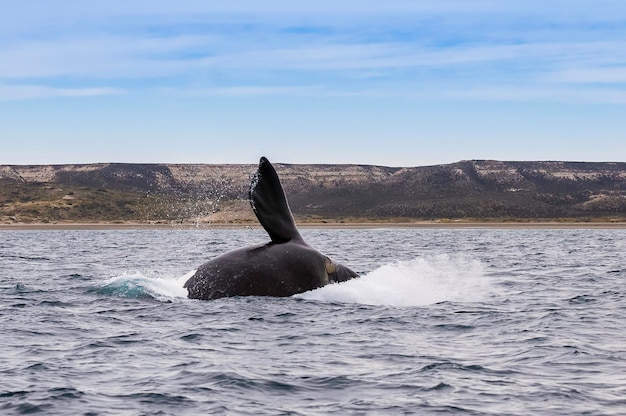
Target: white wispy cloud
[(150, 57), (255, 91), (535, 93), (25, 92), (98, 56), (368, 56), (72, 10), (252, 48), (591, 75)]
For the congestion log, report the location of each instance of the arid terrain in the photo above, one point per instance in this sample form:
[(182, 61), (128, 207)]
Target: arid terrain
[(476, 190)]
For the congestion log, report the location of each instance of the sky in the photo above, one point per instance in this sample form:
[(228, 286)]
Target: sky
[(394, 82)]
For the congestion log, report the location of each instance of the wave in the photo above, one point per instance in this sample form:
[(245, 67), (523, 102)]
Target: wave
[(417, 282), (138, 286)]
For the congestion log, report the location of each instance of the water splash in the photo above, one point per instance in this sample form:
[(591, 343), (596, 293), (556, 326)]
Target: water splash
[(138, 286), (417, 282)]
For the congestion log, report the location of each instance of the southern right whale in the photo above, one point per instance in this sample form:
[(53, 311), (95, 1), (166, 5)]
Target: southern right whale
[(282, 267)]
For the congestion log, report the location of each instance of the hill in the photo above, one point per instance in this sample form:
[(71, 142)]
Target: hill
[(166, 193)]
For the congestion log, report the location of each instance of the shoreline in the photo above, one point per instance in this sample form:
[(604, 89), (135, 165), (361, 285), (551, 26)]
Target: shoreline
[(319, 225)]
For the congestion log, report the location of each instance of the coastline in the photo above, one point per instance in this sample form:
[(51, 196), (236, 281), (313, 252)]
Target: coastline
[(314, 225)]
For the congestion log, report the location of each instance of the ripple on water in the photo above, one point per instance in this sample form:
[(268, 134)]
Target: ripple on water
[(477, 322)]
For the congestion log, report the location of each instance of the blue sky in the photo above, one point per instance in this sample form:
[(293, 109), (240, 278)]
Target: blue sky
[(396, 83)]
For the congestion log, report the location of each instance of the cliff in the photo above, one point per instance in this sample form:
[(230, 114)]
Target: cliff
[(476, 189)]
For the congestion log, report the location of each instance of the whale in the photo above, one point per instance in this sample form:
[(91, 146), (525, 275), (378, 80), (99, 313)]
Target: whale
[(284, 266)]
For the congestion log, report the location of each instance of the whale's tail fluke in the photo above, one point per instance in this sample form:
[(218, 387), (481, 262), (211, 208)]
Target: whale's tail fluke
[(270, 206)]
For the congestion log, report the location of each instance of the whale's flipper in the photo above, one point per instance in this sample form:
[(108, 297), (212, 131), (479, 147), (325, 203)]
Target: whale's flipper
[(269, 203)]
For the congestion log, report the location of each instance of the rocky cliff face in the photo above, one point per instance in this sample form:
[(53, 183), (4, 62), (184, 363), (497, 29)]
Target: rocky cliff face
[(468, 189)]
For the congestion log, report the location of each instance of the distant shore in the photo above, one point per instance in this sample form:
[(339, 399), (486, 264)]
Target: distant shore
[(321, 225)]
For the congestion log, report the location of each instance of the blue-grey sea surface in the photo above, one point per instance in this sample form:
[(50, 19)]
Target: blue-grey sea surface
[(441, 321)]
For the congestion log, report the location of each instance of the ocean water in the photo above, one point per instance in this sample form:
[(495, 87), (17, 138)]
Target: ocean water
[(441, 322)]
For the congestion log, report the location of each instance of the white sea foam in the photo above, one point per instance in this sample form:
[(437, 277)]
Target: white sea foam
[(134, 285), (421, 281)]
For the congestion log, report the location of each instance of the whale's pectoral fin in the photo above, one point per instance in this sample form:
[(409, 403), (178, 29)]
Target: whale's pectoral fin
[(269, 203)]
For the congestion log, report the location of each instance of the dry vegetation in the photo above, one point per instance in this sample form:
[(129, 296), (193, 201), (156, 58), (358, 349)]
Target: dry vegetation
[(468, 190)]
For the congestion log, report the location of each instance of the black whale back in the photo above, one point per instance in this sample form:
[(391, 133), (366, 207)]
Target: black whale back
[(283, 267)]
